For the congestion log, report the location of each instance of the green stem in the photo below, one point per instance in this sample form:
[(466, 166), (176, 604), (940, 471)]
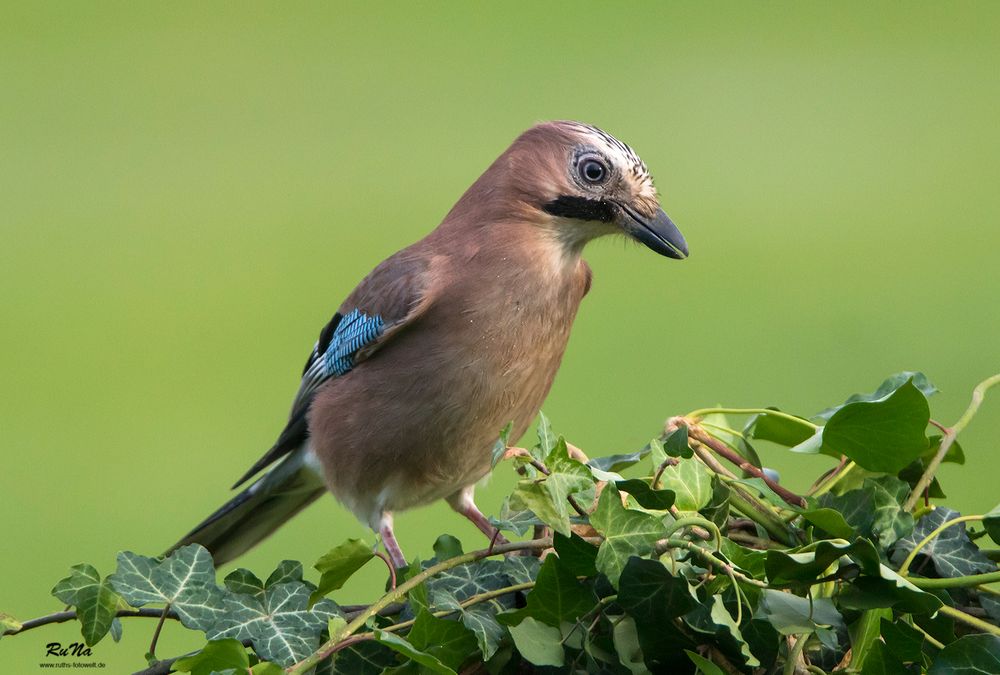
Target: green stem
[(468, 602), (400, 591), (751, 411), (825, 487), (759, 512), (904, 568), (969, 620), (664, 544), (793, 655), (957, 582), (699, 521), (978, 394)]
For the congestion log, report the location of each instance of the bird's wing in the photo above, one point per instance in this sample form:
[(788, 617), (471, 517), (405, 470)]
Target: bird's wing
[(385, 303)]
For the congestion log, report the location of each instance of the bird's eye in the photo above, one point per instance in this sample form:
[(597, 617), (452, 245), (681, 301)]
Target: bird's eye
[(593, 171)]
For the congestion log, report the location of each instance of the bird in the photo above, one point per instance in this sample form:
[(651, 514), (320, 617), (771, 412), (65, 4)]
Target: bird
[(444, 343)]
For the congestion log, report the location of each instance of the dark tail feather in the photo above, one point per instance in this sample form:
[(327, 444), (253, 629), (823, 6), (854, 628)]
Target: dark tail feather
[(252, 515)]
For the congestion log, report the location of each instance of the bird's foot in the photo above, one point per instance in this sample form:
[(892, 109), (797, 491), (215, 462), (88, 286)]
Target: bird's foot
[(389, 541)]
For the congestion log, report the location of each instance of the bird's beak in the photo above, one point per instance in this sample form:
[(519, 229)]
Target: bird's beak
[(657, 232)]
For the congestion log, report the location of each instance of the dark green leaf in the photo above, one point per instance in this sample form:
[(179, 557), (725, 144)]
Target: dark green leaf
[(969, 654), (880, 661), (830, 521), (784, 568), (557, 597), (337, 566), (658, 500), (185, 580), (244, 581), (538, 643), (363, 658), (448, 641), (217, 655), (902, 640), (888, 386), (676, 444), (992, 523), (882, 435), (650, 593), (447, 546), (576, 555), (287, 570), (952, 552), (403, 646), (712, 618), (887, 589), (717, 509), (626, 533)]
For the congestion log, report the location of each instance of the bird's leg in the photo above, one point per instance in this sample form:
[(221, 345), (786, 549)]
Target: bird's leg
[(463, 503), (389, 540)]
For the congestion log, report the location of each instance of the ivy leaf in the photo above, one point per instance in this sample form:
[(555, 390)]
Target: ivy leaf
[(968, 654), (888, 386), (887, 589), (874, 510), (447, 640), (94, 600), (576, 555), (864, 632), (784, 568), (217, 655), (691, 481), (791, 615), (501, 445), (185, 580), (883, 434), (557, 597), (538, 643), (516, 521), (880, 661), (779, 429), (546, 437), (705, 667), (447, 546), (403, 646), (626, 533), (715, 620), (952, 552), (286, 571), (625, 638), (831, 521), (676, 444), (648, 498), (279, 622), (992, 523), (618, 463), (649, 593), (363, 658), (902, 640), (339, 564), (547, 497)]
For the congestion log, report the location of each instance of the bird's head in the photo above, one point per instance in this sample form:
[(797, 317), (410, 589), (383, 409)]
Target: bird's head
[(582, 183)]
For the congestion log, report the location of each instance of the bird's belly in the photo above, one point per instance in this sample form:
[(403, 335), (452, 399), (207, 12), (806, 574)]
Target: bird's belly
[(417, 423)]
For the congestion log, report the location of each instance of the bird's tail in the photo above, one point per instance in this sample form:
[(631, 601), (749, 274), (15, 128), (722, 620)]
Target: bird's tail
[(253, 514)]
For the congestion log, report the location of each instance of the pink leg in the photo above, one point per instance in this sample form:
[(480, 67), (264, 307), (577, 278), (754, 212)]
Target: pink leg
[(462, 502), (389, 541)]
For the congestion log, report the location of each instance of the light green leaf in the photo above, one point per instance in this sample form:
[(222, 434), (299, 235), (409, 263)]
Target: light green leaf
[(8, 624), (881, 435), (185, 580), (864, 632), (539, 643), (691, 481), (779, 429), (791, 615), (714, 619), (546, 437), (337, 565), (217, 655), (626, 640), (94, 600), (547, 497), (501, 445), (705, 667), (447, 546), (626, 533)]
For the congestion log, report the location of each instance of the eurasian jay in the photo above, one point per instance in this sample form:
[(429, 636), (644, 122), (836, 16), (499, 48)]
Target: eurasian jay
[(408, 386)]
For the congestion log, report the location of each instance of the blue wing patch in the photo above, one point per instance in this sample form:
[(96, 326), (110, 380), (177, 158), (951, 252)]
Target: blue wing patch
[(354, 332)]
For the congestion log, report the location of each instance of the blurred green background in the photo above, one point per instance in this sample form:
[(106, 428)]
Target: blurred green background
[(188, 190)]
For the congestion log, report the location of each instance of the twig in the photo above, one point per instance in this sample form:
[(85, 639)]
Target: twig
[(978, 624), (166, 665), (957, 582), (392, 568), (63, 617), (949, 438)]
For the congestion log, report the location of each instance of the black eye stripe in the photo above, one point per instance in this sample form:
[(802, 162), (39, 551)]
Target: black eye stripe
[(581, 208)]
